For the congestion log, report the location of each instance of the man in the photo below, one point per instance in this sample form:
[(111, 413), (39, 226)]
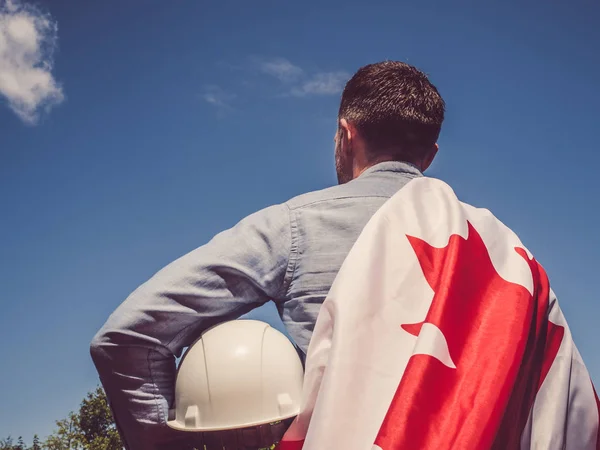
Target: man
[(389, 121)]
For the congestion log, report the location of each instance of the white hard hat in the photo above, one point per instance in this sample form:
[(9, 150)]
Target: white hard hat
[(239, 374)]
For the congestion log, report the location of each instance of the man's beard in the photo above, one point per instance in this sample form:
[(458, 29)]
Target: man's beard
[(343, 164)]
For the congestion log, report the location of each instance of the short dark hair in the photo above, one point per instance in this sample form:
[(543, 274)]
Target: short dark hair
[(395, 108)]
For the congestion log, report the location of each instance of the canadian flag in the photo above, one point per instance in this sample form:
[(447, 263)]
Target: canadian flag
[(441, 332)]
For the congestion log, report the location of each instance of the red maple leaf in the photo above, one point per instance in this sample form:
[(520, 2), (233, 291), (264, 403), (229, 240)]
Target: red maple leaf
[(500, 340)]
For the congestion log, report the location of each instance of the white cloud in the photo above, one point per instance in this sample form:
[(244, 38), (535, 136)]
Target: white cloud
[(281, 68), (284, 78), (321, 83), (219, 98), (324, 83), (27, 44)]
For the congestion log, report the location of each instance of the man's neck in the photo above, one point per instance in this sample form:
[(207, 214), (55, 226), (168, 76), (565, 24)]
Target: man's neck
[(359, 170)]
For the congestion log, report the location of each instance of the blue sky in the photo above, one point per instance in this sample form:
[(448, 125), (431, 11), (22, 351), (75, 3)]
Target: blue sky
[(161, 123)]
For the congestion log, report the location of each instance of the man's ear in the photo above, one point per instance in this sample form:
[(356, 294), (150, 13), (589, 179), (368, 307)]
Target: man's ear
[(429, 158), (347, 132)]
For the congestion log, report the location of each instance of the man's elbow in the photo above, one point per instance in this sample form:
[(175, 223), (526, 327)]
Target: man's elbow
[(117, 333), (99, 347), (122, 343)]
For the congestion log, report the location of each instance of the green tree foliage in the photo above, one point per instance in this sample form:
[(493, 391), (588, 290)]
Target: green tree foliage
[(64, 437), (7, 444), (95, 423), (91, 428), (37, 445)]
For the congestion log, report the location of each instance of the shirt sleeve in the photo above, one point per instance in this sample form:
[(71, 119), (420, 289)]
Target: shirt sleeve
[(134, 352)]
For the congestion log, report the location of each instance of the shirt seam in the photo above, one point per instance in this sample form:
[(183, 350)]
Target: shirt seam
[(344, 197), (156, 393), (292, 255)]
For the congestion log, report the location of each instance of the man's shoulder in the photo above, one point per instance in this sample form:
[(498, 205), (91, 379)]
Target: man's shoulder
[(353, 189), (321, 195)]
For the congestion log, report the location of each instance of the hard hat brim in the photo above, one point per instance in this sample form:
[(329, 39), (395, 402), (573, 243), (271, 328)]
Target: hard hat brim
[(176, 425)]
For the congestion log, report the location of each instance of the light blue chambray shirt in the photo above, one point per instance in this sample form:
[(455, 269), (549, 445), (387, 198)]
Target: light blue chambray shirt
[(288, 253)]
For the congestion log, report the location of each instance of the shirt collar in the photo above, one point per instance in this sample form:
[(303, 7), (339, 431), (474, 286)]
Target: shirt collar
[(393, 166)]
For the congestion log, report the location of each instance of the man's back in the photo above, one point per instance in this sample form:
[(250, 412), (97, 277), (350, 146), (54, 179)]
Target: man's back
[(325, 225)]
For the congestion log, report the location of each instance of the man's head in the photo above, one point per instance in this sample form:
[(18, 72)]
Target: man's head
[(389, 112)]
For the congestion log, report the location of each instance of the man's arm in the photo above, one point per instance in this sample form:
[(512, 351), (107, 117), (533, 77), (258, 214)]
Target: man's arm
[(135, 350)]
